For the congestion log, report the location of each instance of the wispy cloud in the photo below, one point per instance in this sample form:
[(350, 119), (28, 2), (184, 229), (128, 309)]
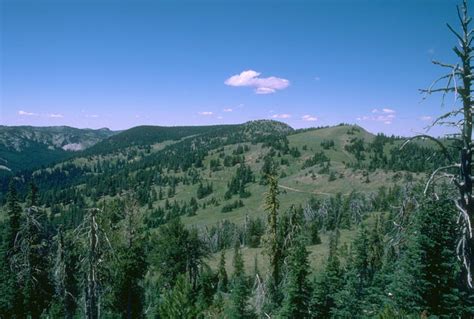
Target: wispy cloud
[(281, 116), (426, 118), (309, 118), (384, 115), (262, 85), (317, 78), (55, 115), (228, 109), (206, 113), (24, 113), (92, 116)]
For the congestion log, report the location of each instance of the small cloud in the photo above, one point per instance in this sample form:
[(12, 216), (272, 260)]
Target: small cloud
[(264, 91), (309, 118), (251, 78), (426, 118), (55, 115), (389, 111), (384, 110), (281, 116), (206, 113), (220, 117), (92, 116), (384, 115), (431, 51), (317, 78), (24, 113), (228, 110)]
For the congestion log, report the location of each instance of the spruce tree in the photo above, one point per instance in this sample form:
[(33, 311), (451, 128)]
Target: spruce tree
[(178, 302), (297, 288), (239, 290), (272, 241), (428, 272), (10, 298), (327, 284), (222, 273)]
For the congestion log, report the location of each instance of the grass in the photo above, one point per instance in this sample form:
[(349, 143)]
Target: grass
[(318, 255)]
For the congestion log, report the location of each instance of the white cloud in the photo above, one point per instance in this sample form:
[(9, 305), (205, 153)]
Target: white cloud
[(384, 110), (92, 116), (24, 113), (206, 113), (220, 117), (426, 118), (384, 115), (309, 118), (317, 78), (251, 78), (264, 90), (281, 116), (389, 111), (228, 110), (56, 115)]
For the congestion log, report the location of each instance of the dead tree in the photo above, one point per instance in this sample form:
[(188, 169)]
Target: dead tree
[(458, 82), (95, 251)]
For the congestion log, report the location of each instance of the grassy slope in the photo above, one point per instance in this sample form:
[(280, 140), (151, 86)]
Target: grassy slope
[(298, 186)]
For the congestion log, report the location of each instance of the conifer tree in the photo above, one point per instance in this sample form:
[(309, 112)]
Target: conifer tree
[(222, 273), (328, 283), (10, 298), (273, 244), (31, 262), (428, 272), (297, 288), (178, 303), (239, 291)]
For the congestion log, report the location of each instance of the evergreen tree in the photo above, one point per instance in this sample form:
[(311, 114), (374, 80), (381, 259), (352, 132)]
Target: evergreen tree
[(222, 273), (327, 284), (10, 298), (178, 302), (273, 245), (239, 292), (428, 272), (297, 288), (31, 262)]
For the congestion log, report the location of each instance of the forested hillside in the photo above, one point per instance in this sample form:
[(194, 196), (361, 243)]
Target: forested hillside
[(233, 221), (27, 147)]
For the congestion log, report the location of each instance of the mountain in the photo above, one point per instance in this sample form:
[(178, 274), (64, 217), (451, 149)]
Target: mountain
[(27, 147), (221, 169)]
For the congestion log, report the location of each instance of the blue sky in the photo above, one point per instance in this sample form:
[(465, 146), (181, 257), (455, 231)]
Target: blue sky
[(119, 64)]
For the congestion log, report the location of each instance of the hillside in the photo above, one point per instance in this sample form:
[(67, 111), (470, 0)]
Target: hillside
[(27, 147), (168, 166)]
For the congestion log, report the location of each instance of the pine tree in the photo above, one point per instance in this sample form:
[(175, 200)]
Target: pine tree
[(10, 298), (273, 245), (130, 264), (239, 291), (222, 273), (178, 303), (428, 272), (297, 288), (31, 262), (327, 284)]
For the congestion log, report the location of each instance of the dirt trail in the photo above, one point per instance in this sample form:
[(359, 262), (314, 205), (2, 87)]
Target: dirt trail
[(300, 191)]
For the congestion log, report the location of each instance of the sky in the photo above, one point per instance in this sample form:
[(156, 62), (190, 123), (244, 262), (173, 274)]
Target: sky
[(123, 63)]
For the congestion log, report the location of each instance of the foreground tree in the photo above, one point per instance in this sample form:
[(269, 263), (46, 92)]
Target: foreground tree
[(10, 299), (297, 288), (273, 244), (459, 83)]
